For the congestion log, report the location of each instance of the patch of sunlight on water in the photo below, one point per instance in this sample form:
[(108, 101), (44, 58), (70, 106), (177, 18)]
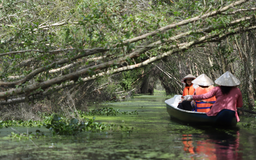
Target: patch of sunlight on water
[(154, 137)]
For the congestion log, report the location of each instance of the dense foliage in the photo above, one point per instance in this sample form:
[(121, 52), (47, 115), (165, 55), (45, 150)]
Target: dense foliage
[(77, 48)]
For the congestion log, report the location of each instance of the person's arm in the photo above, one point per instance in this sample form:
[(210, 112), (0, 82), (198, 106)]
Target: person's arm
[(239, 99), (207, 95)]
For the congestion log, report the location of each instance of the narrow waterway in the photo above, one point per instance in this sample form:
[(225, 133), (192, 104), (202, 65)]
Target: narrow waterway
[(152, 135)]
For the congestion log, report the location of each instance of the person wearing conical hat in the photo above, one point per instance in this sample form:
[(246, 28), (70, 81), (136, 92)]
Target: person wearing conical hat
[(189, 89), (228, 96), (205, 84)]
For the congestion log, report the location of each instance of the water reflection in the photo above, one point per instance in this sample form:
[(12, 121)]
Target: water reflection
[(154, 137), (213, 146)]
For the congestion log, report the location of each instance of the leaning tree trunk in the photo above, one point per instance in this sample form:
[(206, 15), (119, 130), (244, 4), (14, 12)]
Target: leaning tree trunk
[(247, 51), (148, 81), (147, 86)]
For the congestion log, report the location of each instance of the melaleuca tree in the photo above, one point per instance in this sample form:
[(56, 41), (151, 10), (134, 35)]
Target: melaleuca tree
[(47, 46)]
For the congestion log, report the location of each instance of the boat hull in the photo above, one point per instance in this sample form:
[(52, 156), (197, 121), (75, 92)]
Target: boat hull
[(224, 118)]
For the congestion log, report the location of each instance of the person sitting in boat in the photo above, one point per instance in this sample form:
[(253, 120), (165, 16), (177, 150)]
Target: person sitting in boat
[(228, 96), (188, 90), (205, 84)]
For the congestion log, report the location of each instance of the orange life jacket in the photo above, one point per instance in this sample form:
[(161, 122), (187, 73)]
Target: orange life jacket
[(188, 144), (205, 104), (207, 148), (188, 90)]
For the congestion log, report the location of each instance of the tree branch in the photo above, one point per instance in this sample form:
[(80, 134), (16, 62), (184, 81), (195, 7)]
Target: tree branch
[(55, 51), (184, 22), (45, 68)]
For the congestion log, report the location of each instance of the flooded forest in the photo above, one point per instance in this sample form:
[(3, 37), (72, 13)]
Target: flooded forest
[(88, 79)]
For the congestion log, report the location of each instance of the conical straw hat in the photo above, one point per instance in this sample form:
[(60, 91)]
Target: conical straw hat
[(227, 79), (203, 80), (188, 76)]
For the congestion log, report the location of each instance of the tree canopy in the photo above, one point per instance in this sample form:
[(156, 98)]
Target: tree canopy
[(49, 45)]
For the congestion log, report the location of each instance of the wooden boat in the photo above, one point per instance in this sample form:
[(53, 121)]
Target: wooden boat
[(224, 118)]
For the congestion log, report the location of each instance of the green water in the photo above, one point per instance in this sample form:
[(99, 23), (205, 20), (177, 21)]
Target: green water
[(153, 136)]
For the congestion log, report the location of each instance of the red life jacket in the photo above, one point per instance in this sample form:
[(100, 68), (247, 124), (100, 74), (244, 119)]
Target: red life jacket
[(188, 90), (205, 104)]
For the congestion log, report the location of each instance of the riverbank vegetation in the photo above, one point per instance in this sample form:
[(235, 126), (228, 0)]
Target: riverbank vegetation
[(60, 125), (62, 56)]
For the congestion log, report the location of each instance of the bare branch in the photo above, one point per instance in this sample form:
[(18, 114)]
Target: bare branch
[(52, 25), (169, 76), (75, 63), (240, 11)]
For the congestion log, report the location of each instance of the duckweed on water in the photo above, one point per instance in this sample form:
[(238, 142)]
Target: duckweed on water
[(109, 111), (154, 136)]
